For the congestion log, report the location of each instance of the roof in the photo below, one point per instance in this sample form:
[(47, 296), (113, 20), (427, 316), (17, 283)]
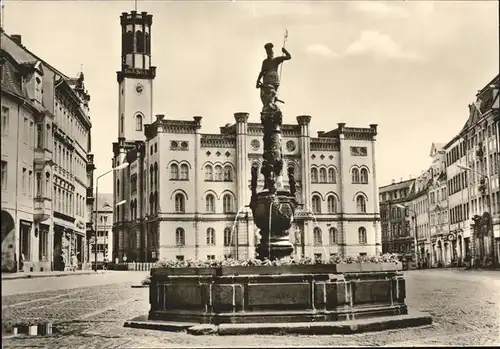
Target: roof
[(485, 100), (30, 54), (396, 186)]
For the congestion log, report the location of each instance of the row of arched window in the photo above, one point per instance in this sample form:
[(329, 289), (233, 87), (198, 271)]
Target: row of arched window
[(179, 172), (227, 203), (141, 40), (180, 237), (332, 204), (359, 176), (323, 178), (218, 173), (334, 238)]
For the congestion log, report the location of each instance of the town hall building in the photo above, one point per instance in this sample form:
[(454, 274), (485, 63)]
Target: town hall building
[(187, 192)]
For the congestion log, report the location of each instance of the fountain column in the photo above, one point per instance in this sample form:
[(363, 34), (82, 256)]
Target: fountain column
[(242, 183), (376, 206), (197, 187), (342, 172)]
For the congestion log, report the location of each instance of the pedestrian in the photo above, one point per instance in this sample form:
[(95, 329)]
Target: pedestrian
[(74, 262)]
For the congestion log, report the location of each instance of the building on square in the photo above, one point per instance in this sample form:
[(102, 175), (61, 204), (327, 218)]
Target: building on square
[(104, 229), (186, 190), (46, 167), (472, 169), (396, 233)]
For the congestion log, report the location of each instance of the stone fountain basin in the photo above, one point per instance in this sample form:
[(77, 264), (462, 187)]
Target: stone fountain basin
[(334, 298)]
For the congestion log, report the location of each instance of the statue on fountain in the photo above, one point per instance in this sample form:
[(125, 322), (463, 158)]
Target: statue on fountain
[(270, 78), (273, 208)]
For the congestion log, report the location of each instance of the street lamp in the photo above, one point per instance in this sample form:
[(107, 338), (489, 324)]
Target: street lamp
[(416, 229), (117, 168), (492, 235)]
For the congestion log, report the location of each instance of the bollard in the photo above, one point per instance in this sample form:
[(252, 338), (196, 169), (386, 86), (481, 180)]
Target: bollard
[(33, 330)]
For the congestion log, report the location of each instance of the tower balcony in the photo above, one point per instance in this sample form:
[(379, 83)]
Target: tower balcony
[(42, 208)]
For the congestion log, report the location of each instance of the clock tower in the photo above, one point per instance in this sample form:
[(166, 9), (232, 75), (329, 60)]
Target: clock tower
[(135, 79)]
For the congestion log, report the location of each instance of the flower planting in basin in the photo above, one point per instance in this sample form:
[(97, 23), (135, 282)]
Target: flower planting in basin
[(283, 290)]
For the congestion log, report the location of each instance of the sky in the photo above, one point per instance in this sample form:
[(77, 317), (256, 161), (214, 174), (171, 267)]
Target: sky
[(411, 67)]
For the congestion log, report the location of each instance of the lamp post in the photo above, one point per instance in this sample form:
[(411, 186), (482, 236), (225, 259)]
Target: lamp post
[(416, 229), (492, 235), (119, 167)]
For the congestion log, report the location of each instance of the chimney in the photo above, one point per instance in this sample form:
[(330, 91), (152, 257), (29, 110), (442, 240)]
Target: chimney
[(321, 133), (393, 181), (17, 39), (160, 117)]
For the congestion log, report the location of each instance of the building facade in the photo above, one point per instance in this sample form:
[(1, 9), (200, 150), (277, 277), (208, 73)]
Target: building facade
[(438, 213), (396, 235), (473, 162), (186, 191), (46, 162), (104, 229)]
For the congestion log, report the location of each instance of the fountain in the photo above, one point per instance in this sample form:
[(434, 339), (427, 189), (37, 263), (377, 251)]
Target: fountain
[(269, 298)]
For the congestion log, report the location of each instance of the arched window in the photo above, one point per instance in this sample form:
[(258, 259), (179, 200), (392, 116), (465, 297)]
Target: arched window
[(362, 235), (228, 173), (364, 176), (317, 237), (316, 204), (322, 175), (333, 236), (184, 172), (129, 42), (138, 122), (314, 175), (139, 37), (180, 237), (227, 237), (210, 236), (210, 203), (122, 123), (332, 204), (332, 175), (361, 204), (174, 171), (227, 201), (180, 203), (218, 173), (155, 170), (118, 187), (147, 44), (47, 184), (209, 174), (355, 175)]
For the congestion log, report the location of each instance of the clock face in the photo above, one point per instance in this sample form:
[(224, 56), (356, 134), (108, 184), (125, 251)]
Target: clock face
[(139, 88)]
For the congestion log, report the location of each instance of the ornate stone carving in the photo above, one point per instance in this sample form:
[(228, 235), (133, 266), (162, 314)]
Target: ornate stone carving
[(359, 151)]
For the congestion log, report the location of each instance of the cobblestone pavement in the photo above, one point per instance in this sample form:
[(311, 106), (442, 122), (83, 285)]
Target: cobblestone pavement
[(465, 306)]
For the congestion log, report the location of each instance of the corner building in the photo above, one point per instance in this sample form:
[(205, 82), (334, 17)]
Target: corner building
[(186, 191)]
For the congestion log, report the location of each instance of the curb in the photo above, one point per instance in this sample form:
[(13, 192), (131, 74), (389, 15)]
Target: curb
[(36, 276), (414, 318)]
